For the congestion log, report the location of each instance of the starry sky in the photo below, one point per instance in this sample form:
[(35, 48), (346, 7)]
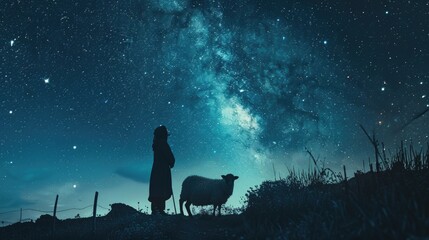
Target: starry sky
[(241, 85)]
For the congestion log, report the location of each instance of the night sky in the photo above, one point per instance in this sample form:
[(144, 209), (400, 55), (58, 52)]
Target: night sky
[(241, 85)]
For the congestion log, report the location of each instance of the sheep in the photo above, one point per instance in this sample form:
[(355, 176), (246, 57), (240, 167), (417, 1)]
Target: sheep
[(201, 191)]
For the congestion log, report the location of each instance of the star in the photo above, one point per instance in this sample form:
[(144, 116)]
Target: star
[(46, 80)]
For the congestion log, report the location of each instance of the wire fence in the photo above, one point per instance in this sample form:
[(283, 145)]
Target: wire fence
[(25, 211)]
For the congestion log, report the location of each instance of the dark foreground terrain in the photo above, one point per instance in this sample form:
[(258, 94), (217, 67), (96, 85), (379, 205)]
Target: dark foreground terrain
[(389, 204), (124, 222)]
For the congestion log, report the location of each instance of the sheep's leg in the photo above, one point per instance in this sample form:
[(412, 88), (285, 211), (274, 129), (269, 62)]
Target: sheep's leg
[(187, 205), (214, 209), (181, 206)]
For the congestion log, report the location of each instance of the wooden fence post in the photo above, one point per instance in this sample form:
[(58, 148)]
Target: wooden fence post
[(345, 181), (94, 211), (357, 177), (55, 214)]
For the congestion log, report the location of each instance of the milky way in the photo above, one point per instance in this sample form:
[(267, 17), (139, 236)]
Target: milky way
[(242, 86)]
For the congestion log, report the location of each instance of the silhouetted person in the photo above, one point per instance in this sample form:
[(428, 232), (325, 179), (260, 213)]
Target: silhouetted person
[(160, 189)]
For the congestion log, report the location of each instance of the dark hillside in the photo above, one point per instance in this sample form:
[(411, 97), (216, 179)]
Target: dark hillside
[(124, 222), (390, 204)]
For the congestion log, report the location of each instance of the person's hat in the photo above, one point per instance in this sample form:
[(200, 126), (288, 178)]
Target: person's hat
[(161, 131)]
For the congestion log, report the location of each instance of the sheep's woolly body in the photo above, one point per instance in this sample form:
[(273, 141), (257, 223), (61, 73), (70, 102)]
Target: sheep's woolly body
[(201, 191)]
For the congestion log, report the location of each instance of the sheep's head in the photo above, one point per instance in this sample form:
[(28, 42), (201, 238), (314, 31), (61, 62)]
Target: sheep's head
[(229, 178)]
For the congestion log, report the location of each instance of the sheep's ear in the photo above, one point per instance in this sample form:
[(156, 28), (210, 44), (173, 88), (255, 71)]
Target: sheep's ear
[(223, 176), (236, 177)]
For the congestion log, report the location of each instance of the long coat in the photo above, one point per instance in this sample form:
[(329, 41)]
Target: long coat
[(160, 188)]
